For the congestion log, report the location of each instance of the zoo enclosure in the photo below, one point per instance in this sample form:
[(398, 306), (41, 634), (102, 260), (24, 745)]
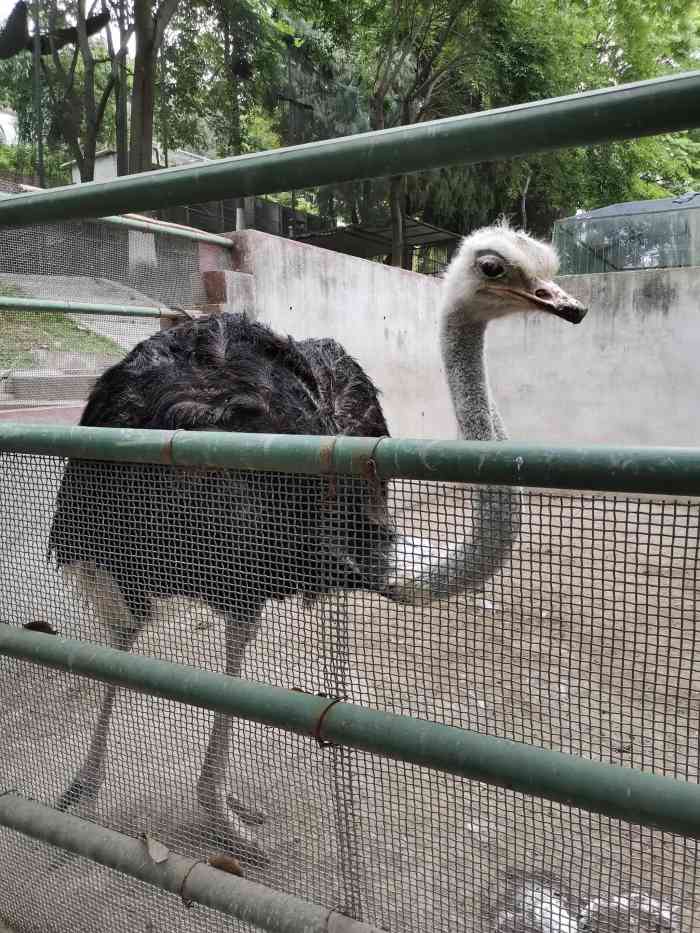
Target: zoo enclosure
[(655, 527), (637, 235)]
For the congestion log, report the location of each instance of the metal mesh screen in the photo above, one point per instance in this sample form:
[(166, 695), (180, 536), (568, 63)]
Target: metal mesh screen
[(54, 357), (657, 239), (584, 641)]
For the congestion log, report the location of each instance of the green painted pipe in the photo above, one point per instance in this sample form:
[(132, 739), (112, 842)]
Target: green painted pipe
[(42, 305), (643, 470), (163, 229), (191, 879), (622, 793), (663, 105)]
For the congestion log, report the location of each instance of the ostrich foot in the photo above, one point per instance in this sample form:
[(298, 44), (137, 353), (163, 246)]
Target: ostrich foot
[(226, 818)]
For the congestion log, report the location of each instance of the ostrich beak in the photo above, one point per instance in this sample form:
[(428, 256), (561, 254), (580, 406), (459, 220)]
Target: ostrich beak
[(550, 297)]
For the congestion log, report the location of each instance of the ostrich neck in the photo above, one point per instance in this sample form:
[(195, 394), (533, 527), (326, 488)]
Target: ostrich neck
[(464, 566), (464, 357)]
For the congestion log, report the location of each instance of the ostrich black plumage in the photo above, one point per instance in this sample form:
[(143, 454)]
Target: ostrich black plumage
[(231, 540)]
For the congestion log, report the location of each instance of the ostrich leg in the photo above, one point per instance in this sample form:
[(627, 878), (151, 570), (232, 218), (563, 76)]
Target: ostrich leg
[(85, 786), (226, 814)]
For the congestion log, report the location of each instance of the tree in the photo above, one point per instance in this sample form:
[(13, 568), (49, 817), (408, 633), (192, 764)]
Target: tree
[(118, 61), (76, 91), (151, 19)]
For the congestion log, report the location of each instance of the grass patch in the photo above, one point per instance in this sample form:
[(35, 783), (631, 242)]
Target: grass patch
[(22, 332)]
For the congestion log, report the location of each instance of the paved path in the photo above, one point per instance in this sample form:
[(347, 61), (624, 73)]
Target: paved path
[(50, 414)]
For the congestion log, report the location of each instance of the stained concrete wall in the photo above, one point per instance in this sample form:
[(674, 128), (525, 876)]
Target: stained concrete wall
[(630, 373), (386, 318)]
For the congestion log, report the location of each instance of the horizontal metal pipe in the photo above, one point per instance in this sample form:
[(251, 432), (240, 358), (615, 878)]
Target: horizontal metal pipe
[(43, 305), (663, 105), (634, 796), (643, 470), (164, 229), (154, 226), (191, 879)]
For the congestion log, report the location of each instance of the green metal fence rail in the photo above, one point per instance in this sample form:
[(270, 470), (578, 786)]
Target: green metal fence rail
[(166, 229), (643, 470), (645, 108), (191, 879), (663, 105), (43, 305), (157, 226), (622, 793)]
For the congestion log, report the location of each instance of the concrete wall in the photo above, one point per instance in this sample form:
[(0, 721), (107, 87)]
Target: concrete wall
[(630, 373), (386, 318)]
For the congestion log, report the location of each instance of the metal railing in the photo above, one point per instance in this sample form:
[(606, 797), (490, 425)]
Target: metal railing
[(46, 305), (639, 798), (645, 108)]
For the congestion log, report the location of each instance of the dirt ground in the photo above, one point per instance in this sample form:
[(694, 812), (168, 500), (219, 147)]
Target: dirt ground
[(44, 414), (584, 643)]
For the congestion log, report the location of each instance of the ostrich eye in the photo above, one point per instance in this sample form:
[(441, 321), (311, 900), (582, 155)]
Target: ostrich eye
[(492, 267)]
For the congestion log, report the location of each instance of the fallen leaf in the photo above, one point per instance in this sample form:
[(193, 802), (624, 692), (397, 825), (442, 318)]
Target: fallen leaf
[(157, 852)]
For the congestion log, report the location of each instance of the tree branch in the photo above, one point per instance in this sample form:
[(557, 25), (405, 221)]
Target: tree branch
[(164, 14), (104, 98)]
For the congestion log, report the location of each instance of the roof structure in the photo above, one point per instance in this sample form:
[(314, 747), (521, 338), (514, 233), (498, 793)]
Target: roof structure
[(658, 205), (369, 240)]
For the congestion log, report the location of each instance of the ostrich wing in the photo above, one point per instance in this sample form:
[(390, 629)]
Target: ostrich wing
[(225, 373), (345, 390)]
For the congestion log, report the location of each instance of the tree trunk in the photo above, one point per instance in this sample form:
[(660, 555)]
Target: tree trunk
[(165, 129), (235, 138), (150, 23), (121, 119), (397, 220), (121, 93), (142, 93), (87, 166), (38, 116)]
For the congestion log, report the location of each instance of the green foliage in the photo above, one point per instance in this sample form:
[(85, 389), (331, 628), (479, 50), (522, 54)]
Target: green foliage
[(519, 55), (222, 63), (16, 93), (241, 75), (22, 334), (18, 161)]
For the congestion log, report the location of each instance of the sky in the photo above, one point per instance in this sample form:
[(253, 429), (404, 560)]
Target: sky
[(6, 7)]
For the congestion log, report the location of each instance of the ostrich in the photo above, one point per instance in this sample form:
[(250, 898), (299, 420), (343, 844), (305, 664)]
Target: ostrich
[(232, 540)]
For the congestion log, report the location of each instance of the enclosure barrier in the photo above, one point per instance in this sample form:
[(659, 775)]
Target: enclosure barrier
[(622, 793), (644, 470), (191, 879), (644, 108), (41, 306), (176, 230), (638, 798), (152, 225)]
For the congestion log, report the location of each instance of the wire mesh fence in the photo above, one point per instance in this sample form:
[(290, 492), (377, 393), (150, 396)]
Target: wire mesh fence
[(56, 357), (583, 641), (639, 235)]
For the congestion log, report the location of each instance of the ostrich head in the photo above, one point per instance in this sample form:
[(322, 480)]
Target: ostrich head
[(499, 271)]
